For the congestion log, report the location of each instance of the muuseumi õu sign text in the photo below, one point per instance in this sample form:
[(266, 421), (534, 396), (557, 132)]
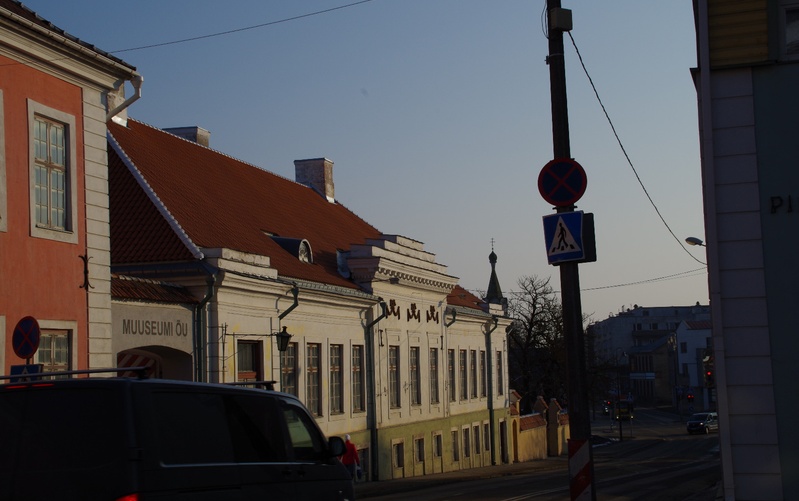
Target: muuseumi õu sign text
[(137, 327)]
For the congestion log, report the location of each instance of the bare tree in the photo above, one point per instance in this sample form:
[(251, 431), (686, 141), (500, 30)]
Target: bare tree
[(536, 347)]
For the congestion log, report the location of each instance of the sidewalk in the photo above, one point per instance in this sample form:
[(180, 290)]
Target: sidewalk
[(364, 490)]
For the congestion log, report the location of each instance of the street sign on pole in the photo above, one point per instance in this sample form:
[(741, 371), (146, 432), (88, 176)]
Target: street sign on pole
[(23, 372), (569, 236), (562, 182), (25, 339)]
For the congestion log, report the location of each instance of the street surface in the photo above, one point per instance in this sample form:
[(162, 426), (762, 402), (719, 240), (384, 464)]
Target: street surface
[(656, 461)]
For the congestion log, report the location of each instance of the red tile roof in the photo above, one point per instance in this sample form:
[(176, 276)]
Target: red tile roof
[(142, 289), (532, 421), (221, 202), (461, 297)]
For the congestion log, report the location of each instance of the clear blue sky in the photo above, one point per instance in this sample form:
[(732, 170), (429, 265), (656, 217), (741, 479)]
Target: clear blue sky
[(437, 116)]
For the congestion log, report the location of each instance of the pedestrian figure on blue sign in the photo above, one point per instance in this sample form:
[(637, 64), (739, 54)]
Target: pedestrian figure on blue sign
[(562, 244)]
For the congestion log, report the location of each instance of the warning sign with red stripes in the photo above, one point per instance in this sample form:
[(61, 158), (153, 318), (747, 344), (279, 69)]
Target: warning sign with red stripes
[(580, 471)]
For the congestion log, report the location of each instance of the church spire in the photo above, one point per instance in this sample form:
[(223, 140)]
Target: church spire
[(494, 292)]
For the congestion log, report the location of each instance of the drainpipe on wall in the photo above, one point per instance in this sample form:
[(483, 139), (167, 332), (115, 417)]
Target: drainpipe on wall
[(137, 82), (444, 354), (295, 291), (201, 330), (371, 390), (490, 356)]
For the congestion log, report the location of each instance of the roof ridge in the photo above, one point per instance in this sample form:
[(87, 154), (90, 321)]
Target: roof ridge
[(218, 152)]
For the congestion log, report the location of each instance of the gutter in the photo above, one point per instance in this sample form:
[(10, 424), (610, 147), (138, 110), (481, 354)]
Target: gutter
[(137, 81)]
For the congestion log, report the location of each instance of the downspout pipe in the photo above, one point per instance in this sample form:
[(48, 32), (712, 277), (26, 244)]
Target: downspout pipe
[(201, 329), (454, 317), (371, 392), (295, 291), (137, 81), (490, 357)]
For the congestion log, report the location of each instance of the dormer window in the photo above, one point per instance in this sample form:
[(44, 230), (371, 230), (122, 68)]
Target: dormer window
[(304, 252), (297, 247)]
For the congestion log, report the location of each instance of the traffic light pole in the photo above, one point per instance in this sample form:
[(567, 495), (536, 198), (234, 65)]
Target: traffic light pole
[(581, 463)]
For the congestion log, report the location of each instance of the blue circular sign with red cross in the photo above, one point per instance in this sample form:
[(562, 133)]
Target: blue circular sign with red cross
[(26, 337), (562, 182)]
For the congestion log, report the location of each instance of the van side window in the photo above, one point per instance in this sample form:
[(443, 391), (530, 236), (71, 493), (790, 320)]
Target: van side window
[(202, 428), (33, 440), (306, 441)]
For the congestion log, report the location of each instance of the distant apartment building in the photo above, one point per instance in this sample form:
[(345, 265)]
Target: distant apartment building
[(637, 347), (639, 326)]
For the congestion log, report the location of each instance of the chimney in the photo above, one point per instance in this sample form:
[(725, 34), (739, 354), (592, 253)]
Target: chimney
[(195, 134), (316, 173)]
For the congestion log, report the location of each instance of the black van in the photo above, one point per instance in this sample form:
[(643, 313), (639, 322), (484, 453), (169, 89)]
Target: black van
[(125, 439)]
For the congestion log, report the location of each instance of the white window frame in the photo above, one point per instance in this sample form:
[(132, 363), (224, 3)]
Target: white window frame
[(434, 363), (313, 383), (336, 378), (70, 234), (64, 325), (415, 371)]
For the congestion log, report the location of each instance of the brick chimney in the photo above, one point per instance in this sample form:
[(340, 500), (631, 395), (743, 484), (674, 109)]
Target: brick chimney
[(316, 173), (192, 133)]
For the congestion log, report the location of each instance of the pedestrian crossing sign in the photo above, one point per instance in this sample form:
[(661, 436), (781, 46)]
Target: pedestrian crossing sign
[(569, 237)]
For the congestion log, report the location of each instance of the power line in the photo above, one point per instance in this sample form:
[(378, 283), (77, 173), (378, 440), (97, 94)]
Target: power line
[(238, 30), (673, 276), (684, 274), (624, 151)]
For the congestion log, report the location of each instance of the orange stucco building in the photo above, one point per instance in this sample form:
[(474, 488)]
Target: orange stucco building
[(55, 95)]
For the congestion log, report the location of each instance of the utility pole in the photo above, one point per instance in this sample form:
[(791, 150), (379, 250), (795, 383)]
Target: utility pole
[(581, 463)]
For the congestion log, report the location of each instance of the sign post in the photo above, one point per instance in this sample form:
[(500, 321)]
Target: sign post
[(562, 182)]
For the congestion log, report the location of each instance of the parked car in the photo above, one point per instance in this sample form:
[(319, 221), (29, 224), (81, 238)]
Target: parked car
[(703, 422), (143, 439)]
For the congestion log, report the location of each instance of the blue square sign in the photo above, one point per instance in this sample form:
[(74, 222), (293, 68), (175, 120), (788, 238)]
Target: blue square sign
[(569, 236)]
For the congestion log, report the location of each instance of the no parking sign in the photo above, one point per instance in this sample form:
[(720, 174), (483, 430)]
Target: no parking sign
[(26, 337)]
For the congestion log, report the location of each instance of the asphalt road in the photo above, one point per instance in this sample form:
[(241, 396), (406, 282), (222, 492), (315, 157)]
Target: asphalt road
[(656, 460)]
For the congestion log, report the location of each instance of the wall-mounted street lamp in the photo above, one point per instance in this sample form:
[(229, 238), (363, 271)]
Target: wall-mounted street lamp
[(283, 338), (695, 241)]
